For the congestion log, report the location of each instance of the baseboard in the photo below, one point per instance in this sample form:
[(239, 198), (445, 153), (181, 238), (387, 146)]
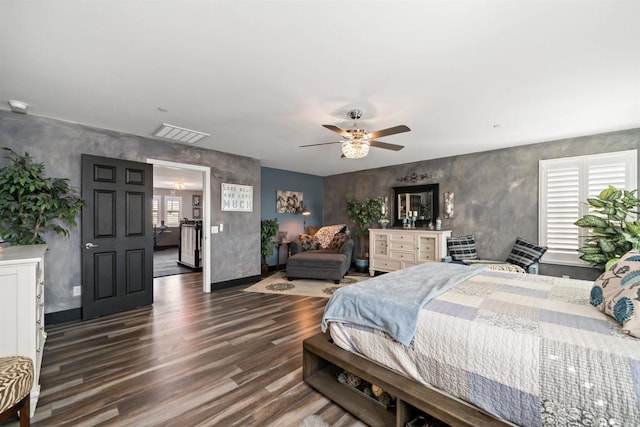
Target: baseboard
[(235, 282), (76, 313), (63, 316)]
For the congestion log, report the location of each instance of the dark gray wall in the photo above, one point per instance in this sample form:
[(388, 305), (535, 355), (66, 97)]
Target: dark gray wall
[(235, 253), (496, 192)]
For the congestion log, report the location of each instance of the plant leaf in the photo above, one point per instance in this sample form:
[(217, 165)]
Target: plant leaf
[(591, 221)]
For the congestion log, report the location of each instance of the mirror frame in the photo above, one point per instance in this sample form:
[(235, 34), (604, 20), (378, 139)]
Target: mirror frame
[(434, 189)]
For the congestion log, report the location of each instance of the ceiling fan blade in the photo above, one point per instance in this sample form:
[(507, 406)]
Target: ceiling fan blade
[(390, 131), (322, 143), (336, 129), (386, 145)]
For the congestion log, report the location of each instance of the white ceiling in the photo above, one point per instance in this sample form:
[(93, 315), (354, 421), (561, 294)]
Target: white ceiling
[(262, 76)]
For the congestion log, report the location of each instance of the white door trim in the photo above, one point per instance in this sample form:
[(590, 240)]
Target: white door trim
[(206, 219)]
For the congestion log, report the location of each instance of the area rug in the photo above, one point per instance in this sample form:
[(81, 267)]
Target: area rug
[(278, 284)]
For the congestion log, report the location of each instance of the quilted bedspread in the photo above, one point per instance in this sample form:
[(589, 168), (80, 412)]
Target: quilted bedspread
[(528, 349)]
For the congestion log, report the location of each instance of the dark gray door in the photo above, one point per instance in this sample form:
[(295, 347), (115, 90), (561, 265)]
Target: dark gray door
[(117, 235)]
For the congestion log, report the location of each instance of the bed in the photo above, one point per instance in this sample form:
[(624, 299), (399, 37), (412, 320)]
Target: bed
[(518, 349)]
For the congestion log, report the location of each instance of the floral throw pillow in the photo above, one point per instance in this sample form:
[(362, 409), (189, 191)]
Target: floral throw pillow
[(308, 243), (617, 292), (337, 241), (326, 233)]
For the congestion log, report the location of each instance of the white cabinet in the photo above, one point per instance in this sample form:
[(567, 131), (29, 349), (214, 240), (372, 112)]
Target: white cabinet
[(392, 249), (22, 307)]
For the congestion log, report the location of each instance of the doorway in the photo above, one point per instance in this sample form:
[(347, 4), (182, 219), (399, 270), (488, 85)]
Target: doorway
[(182, 199)]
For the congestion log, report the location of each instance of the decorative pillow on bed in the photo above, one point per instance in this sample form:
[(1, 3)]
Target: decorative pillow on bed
[(461, 248), (308, 243), (326, 233), (617, 292), (525, 254), (337, 241)]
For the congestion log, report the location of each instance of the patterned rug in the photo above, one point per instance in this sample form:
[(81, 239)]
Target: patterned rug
[(278, 284)]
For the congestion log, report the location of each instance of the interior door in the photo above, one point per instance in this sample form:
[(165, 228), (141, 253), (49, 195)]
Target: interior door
[(117, 235)]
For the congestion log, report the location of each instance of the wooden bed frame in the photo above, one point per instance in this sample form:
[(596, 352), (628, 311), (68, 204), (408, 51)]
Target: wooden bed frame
[(321, 360)]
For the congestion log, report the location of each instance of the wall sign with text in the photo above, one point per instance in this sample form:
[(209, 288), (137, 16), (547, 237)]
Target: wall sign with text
[(236, 197)]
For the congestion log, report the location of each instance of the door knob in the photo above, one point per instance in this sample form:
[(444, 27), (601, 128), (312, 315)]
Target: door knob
[(90, 246)]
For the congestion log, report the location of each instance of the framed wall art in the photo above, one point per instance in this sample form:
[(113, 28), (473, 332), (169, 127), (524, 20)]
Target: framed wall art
[(288, 201), (237, 198), (197, 214), (195, 200)]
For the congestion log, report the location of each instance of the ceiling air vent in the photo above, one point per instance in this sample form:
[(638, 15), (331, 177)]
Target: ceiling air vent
[(176, 133)]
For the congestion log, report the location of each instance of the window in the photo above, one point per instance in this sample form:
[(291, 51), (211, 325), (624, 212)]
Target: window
[(155, 211), (173, 214), (565, 185)]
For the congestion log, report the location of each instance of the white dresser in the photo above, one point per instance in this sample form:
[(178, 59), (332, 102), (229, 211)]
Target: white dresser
[(393, 249), (22, 307)]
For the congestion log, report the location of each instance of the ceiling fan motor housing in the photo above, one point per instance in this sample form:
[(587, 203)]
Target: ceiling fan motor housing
[(358, 133)]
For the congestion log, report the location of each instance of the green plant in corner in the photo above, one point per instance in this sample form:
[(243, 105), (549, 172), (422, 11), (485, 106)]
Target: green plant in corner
[(362, 214), (615, 229), (268, 230), (32, 204)]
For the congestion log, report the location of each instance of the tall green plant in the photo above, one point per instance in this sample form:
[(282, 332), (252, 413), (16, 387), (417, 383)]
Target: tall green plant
[(268, 230), (362, 214), (31, 204), (615, 228)]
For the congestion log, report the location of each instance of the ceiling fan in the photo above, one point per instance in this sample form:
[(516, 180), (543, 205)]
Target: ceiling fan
[(357, 141)]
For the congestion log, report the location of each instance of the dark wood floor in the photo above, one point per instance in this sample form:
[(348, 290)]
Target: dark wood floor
[(221, 359)]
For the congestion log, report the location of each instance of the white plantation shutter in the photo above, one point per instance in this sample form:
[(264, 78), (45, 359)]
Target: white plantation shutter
[(565, 185), (155, 211), (172, 211)]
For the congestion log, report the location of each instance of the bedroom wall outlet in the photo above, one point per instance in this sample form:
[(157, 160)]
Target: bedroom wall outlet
[(77, 291), (214, 229), (221, 227)]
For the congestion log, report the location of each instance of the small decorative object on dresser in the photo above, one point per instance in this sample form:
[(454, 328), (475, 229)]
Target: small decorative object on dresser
[(395, 249)]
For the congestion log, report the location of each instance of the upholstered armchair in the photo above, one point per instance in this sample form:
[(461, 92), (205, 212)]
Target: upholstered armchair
[(324, 255)]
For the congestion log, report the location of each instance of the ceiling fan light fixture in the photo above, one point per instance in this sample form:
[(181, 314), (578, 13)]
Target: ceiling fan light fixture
[(355, 149)]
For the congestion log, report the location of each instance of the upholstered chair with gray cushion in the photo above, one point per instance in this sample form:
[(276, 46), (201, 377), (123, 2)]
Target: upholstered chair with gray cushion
[(16, 380), (325, 255)]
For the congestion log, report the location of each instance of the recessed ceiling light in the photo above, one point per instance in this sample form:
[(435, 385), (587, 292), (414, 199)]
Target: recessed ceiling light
[(176, 133)]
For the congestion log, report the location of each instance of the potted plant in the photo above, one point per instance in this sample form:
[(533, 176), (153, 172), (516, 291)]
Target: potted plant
[(268, 230), (362, 214), (31, 204), (615, 229)]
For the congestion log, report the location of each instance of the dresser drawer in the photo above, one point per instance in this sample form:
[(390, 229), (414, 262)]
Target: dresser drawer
[(402, 237), (386, 264), (402, 246), (427, 256), (403, 256)]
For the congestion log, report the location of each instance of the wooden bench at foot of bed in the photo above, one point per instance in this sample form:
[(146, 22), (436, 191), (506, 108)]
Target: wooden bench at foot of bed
[(322, 359)]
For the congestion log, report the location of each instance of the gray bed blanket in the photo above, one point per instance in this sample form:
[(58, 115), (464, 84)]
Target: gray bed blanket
[(391, 302)]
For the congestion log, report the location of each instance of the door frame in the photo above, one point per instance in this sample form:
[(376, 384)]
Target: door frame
[(206, 218)]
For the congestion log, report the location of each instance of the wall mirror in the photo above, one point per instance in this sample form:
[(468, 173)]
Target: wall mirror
[(422, 199)]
